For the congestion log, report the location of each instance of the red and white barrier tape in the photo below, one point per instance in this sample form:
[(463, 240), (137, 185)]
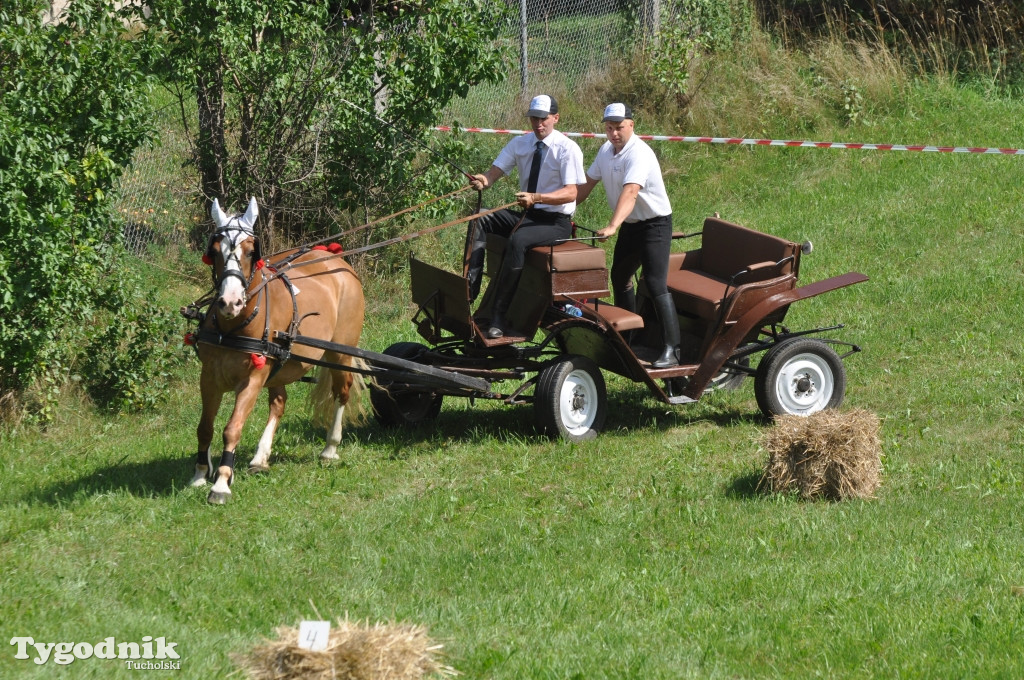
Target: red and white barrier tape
[(768, 142)]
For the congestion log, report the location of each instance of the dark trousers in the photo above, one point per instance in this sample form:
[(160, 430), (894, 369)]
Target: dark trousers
[(644, 244), (538, 227)]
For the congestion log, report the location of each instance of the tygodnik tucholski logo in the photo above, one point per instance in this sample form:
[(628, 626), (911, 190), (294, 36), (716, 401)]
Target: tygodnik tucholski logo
[(150, 654)]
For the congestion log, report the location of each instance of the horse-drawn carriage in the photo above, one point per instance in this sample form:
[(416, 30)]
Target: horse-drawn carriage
[(731, 296), (268, 322)]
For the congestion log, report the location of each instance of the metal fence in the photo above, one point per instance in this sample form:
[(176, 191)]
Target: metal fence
[(555, 47)]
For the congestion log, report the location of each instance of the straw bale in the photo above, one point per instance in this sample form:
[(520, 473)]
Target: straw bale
[(355, 651), (830, 454)]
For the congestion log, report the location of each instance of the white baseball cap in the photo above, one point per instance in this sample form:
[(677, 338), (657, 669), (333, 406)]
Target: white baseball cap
[(542, 106), (616, 113)]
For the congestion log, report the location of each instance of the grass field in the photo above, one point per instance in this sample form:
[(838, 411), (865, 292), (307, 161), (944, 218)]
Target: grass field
[(647, 553)]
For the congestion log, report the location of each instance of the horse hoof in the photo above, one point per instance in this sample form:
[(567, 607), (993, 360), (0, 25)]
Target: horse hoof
[(258, 469), (329, 456), (198, 480), (218, 497)]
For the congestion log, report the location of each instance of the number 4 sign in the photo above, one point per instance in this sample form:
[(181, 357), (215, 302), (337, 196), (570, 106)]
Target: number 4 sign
[(313, 635)]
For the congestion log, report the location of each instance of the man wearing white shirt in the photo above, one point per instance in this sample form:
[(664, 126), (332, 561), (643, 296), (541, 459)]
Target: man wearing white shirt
[(640, 207), (550, 167)]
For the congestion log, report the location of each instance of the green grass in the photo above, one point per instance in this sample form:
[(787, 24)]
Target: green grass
[(646, 553)]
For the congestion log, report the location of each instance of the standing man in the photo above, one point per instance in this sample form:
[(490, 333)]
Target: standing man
[(640, 206), (550, 168)]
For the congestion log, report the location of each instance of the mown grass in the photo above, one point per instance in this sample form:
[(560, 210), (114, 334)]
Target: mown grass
[(647, 553)]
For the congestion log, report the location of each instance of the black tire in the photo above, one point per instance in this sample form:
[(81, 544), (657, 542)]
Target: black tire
[(799, 376), (570, 401), (728, 379), (403, 407)]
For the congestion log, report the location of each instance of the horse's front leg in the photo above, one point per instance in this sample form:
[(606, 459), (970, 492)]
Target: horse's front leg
[(212, 398), (220, 493), (277, 399)]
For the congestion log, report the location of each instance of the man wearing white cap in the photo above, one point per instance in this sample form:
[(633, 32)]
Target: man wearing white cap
[(550, 168), (640, 207)]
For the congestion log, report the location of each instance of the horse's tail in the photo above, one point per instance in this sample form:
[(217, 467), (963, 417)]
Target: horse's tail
[(322, 400)]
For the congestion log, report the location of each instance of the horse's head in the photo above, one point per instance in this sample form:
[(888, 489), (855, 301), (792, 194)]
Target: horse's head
[(234, 254)]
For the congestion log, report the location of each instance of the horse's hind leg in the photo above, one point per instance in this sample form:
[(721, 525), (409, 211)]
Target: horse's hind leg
[(277, 399), (341, 383)]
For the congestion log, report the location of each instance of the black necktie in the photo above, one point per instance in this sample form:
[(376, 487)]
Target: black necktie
[(531, 184)]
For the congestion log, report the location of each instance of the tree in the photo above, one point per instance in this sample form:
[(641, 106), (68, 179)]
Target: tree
[(276, 84), (73, 108)]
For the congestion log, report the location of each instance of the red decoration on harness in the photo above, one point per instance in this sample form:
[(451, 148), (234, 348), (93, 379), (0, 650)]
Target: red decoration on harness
[(207, 260), (189, 339), (335, 248), (320, 247), (260, 263), (258, 361)]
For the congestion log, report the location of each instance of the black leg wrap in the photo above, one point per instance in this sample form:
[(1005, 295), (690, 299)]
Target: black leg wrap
[(228, 458), (203, 458)]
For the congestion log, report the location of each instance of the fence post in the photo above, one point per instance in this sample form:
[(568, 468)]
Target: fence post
[(523, 80)]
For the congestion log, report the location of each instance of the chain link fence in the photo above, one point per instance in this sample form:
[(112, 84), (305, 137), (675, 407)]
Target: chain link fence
[(554, 46)]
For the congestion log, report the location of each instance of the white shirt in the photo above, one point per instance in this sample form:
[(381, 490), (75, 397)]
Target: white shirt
[(562, 165), (635, 164)]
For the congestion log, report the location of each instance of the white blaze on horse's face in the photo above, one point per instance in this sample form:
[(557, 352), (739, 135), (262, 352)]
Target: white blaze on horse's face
[(230, 234)]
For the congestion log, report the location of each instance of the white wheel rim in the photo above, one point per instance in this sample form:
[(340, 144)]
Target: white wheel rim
[(805, 384), (577, 402)]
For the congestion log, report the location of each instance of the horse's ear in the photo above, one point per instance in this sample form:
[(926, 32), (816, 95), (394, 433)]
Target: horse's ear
[(249, 218), (219, 218)]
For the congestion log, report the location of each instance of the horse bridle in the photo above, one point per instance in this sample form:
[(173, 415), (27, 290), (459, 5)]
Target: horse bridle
[(235, 234)]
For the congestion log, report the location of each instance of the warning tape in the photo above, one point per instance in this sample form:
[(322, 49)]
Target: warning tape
[(768, 142)]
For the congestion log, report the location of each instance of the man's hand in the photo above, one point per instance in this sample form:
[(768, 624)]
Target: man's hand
[(603, 234), (526, 200), (479, 182)]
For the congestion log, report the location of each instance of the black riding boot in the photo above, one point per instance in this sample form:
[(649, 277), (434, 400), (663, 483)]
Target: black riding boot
[(507, 281), (666, 310), (477, 255)]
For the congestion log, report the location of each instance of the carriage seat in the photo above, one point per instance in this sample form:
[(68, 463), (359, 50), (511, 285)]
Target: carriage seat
[(699, 280), (618, 318), (571, 256), (574, 268)]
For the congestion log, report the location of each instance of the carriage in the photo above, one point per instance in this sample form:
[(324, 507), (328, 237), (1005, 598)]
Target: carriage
[(731, 295), (268, 322)]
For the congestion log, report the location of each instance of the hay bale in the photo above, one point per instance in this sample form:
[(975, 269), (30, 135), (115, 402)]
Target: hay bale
[(355, 651), (829, 454)]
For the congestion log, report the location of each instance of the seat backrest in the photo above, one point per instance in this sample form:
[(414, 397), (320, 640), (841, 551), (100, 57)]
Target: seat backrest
[(728, 248)]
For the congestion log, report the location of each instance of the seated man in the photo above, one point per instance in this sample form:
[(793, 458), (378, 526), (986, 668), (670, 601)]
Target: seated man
[(550, 166)]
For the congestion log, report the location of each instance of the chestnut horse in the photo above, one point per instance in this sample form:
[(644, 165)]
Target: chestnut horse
[(312, 292)]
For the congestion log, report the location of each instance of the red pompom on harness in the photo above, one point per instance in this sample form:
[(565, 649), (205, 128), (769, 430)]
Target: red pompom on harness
[(335, 248), (258, 361), (189, 339), (207, 260)]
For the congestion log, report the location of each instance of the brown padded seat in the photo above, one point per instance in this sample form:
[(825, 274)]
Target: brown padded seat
[(618, 318), (726, 249), (571, 256), (697, 292)]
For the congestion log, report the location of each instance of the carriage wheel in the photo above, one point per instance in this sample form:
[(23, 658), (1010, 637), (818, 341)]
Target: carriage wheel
[(799, 377), (728, 379), (569, 401), (395, 406)]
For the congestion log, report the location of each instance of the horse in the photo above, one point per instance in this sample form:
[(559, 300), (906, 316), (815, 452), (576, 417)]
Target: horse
[(315, 292)]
